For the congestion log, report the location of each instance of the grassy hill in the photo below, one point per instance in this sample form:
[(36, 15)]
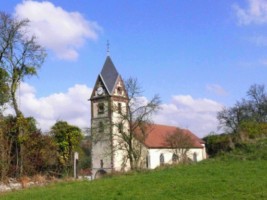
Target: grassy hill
[(237, 175)]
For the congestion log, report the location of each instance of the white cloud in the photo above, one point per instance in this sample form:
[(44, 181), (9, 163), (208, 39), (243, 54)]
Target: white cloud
[(255, 13), (56, 29), (217, 89), (72, 106), (197, 115)]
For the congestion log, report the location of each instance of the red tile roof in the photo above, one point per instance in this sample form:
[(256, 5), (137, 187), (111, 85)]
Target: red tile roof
[(157, 134)]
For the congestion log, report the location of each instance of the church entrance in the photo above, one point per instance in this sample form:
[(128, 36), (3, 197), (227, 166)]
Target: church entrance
[(100, 173)]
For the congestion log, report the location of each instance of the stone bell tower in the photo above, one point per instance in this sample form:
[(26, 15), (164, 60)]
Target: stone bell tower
[(108, 101)]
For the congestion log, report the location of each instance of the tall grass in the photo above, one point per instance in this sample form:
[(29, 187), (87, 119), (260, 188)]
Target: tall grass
[(228, 177)]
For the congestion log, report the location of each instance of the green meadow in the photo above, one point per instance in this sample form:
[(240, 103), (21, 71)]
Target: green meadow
[(241, 174)]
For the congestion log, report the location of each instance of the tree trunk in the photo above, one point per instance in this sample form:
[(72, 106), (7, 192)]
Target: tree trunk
[(131, 161), (14, 100)]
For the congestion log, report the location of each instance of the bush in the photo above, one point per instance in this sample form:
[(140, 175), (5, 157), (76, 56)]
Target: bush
[(218, 143)]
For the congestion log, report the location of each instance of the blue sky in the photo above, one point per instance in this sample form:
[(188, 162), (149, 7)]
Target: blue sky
[(197, 55)]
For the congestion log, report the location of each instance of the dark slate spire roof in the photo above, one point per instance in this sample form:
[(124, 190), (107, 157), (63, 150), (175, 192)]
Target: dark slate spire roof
[(109, 74)]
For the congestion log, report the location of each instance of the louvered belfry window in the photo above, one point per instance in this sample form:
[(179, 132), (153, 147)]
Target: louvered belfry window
[(101, 108)]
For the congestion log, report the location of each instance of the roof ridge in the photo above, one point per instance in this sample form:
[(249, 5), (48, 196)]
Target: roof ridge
[(166, 125)]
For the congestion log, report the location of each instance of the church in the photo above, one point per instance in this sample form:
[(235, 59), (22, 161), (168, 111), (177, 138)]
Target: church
[(108, 93)]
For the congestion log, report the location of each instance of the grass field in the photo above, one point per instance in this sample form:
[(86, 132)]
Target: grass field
[(223, 178)]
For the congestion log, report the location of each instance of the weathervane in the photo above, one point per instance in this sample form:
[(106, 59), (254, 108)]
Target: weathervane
[(108, 47)]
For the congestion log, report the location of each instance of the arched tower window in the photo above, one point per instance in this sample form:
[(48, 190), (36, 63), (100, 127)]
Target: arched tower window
[(161, 159)]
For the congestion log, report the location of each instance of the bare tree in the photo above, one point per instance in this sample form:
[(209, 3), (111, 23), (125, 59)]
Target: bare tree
[(253, 109), (230, 118), (258, 102), (134, 117), (180, 143)]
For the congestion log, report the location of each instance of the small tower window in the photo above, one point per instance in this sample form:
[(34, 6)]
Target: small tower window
[(101, 127), (101, 108), (120, 127), (161, 159), (119, 90), (119, 108)]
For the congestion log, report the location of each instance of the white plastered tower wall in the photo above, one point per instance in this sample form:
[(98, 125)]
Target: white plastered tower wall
[(108, 95), (120, 159), (119, 103)]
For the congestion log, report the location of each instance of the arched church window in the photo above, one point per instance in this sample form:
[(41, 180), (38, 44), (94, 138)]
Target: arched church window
[(161, 159), (195, 157), (175, 158), (101, 108)]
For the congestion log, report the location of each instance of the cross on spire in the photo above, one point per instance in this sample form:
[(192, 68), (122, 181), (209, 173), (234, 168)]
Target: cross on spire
[(108, 47)]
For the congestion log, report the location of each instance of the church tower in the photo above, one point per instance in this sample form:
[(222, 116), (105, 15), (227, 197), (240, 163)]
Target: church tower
[(108, 102)]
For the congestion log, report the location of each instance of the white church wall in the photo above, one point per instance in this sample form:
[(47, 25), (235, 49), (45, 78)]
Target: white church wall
[(203, 152), (154, 156)]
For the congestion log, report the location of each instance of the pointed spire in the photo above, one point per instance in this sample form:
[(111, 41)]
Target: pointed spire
[(109, 74)]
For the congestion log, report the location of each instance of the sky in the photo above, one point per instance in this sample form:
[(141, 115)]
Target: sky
[(199, 56)]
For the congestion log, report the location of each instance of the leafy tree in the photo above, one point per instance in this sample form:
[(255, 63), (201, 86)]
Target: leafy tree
[(40, 155), (85, 154), (20, 54), (136, 116), (23, 129), (7, 139), (13, 147), (67, 138), (218, 143), (20, 57), (252, 130), (4, 87)]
